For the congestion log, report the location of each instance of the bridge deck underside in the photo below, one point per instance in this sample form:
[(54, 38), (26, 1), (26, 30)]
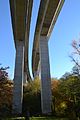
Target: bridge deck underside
[(20, 11), (46, 27)]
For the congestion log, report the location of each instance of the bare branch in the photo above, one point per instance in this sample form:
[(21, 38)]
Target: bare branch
[(74, 61)]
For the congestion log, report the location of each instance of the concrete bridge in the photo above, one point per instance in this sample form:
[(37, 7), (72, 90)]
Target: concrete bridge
[(21, 18)]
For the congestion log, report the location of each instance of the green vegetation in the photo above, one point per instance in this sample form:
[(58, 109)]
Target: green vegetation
[(35, 118), (65, 97), (47, 118)]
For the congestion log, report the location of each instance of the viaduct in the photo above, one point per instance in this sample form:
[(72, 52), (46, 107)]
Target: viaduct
[(21, 17)]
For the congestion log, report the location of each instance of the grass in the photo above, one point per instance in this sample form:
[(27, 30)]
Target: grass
[(46, 118), (35, 118)]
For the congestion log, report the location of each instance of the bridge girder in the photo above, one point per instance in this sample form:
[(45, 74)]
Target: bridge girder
[(21, 17), (47, 16)]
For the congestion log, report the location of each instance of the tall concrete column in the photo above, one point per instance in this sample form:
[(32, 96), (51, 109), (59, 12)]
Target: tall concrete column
[(18, 78), (25, 78), (45, 76), (36, 74)]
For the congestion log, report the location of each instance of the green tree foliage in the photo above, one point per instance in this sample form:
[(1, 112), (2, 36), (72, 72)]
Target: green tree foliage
[(65, 96), (32, 100), (69, 88), (5, 96), (55, 94), (6, 88), (58, 100)]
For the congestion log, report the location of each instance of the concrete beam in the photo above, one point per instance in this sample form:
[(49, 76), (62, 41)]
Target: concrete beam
[(47, 17), (18, 78), (39, 24), (45, 76)]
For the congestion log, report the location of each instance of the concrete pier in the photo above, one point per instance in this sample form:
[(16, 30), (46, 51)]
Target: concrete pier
[(18, 78), (25, 78), (45, 76)]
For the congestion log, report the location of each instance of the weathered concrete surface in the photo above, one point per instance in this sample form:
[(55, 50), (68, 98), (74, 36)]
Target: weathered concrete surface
[(45, 76), (25, 78), (18, 78), (21, 17), (27, 31), (47, 16)]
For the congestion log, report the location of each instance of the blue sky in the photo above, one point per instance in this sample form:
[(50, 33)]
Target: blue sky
[(66, 29)]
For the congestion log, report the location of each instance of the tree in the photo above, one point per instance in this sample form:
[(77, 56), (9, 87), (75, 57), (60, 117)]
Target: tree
[(55, 94), (3, 73), (76, 71), (32, 97), (75, 56), (70, 89), (6, 88)]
